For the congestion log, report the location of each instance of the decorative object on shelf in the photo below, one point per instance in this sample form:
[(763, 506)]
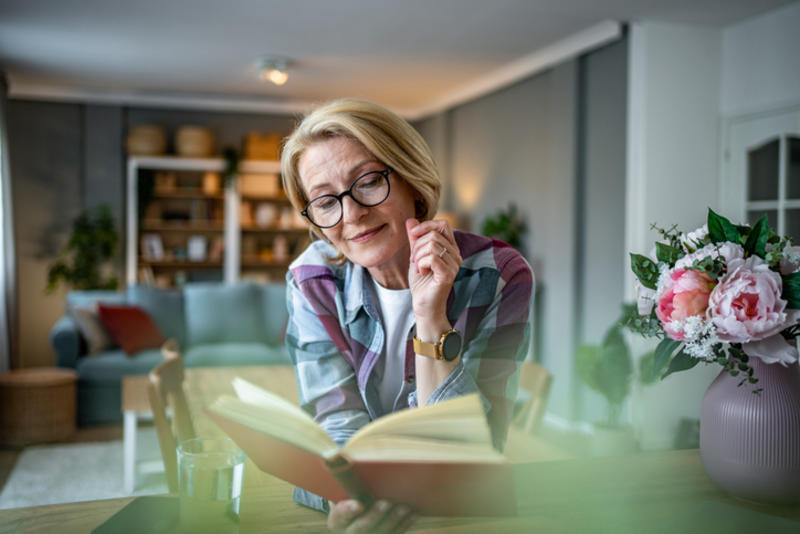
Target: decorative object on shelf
[(85, 261), (730, 294), (266, 214), (152, 247), (280, 248), (194, 142), (146, 140), (212, 183), (246, 213), (165, 182), (259, 145), (196, 248), (266, 185), (506, 225), (217, 249)]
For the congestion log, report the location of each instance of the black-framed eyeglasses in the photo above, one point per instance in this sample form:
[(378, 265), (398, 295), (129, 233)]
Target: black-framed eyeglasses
[(369, 189)]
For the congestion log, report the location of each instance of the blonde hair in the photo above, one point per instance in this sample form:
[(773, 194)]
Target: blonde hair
[(387, 136)]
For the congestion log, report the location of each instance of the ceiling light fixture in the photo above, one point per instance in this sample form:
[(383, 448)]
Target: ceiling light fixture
[(273, 70)]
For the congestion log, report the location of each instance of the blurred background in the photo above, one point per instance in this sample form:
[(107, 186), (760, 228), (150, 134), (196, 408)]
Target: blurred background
[(588, 121)]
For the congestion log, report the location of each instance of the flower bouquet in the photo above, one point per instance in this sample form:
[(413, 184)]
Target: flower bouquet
[(724, 293)]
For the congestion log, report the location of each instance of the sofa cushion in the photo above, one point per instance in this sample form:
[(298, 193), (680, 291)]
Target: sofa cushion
[(112, 365), (218, 313), (131, 327), (232, 354), (165, 306), (275, 315), (81, 306)]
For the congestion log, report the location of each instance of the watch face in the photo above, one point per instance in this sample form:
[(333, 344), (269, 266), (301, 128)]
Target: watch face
[(451, 345)]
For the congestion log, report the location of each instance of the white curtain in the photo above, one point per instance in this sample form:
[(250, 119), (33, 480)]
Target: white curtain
[(7, 274)]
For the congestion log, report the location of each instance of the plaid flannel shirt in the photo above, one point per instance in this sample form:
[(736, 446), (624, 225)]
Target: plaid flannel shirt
[(335, 337)]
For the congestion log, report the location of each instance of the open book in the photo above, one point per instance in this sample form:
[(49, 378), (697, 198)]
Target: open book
[(439, 459)]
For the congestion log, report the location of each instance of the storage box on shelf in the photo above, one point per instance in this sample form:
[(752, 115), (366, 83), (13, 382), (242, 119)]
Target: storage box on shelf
[(185, 224)]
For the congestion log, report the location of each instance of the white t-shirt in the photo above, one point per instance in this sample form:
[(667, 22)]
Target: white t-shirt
[(397, 316)]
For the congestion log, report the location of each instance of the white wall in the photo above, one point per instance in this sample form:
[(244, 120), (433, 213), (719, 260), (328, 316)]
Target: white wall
[(673, 147), (760, 64)]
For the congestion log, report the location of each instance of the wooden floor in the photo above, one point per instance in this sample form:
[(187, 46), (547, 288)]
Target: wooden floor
[(9, 455)]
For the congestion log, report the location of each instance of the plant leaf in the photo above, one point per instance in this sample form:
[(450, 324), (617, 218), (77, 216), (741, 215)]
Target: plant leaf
[(757, 240), (667, 254), (721, 229), (645, 270), (791, 290), (680, 362), (662, 354)]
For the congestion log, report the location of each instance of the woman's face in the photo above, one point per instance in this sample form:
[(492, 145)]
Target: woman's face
[(374, 237)]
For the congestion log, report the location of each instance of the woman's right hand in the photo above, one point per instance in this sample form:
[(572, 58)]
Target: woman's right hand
[(383, 517)]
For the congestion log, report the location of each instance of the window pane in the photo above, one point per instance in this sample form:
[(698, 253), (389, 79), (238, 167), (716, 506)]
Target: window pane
[(762, 172), (772, 217), (793, 168), (793, 224)]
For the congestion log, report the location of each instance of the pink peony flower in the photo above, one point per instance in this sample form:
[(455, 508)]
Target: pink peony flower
[(685, 293), (746, 305)]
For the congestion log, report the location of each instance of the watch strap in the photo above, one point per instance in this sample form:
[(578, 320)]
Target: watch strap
[(431, 350)]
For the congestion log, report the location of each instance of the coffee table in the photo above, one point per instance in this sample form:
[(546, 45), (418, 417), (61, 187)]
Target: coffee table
[(202, 386)]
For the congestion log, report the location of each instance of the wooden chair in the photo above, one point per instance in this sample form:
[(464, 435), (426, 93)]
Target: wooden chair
[(536, 380), (165, 390)]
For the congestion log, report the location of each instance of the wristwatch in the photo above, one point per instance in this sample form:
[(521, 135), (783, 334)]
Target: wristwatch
[(447, 348)]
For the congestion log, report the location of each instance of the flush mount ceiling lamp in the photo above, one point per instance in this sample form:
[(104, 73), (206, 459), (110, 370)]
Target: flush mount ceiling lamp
[(273, 69)]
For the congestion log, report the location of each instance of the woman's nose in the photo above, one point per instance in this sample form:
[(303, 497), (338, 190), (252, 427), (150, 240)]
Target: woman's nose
[(352, 210)]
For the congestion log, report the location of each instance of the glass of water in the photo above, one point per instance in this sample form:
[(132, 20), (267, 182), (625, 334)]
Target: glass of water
[(210, 473)]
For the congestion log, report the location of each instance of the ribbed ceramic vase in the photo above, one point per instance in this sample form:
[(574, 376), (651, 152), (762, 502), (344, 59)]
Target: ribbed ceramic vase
[(750, 444)]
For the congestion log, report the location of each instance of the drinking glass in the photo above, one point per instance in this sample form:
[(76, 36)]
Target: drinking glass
[(210, 473)]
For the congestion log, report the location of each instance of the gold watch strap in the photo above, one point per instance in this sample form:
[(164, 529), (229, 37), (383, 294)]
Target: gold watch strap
[(423, 348)]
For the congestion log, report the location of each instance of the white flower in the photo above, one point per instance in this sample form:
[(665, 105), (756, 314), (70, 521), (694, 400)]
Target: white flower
[(790, 262), (700, 337), (727, 250), (693, 240), (645, 299)]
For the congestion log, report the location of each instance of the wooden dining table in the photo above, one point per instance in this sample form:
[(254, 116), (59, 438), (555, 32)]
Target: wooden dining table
[(664, 491)]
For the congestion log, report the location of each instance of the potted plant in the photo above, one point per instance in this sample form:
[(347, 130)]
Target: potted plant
[(506, 225), (84, 261), (608, 369)]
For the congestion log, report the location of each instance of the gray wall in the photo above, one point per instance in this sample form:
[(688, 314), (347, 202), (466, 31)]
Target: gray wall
[(553, 144), (69, 157)]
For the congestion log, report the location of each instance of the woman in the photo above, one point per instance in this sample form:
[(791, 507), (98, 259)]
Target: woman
[(386, 288)]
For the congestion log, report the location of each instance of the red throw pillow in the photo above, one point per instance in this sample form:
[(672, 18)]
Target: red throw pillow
[(131, 327)]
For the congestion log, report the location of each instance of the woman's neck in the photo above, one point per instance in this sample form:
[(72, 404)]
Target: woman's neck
[(394, 275)]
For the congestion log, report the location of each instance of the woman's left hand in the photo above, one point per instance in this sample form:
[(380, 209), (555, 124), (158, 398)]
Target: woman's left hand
[(435, 260)]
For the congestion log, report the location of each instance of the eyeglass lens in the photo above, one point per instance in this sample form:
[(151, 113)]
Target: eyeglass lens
[(368, 190)]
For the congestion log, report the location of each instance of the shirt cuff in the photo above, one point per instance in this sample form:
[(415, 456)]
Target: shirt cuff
[(310, 500), (458, 383)]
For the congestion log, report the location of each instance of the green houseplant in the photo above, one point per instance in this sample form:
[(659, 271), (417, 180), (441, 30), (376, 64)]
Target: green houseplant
[(608, 369), (506, 225), (91, 246)]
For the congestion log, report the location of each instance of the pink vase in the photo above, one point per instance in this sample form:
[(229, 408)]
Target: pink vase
[(750, 444)]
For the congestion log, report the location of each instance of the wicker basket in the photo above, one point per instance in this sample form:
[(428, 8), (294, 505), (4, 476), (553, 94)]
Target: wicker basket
[(37, 405)]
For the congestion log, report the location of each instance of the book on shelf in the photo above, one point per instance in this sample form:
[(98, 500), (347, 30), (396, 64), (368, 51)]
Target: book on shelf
[(438, 459)]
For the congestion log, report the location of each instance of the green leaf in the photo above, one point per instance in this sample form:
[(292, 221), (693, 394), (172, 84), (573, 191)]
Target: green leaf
[(721, 229), (667, 254), (663, 351), (645, 270), (680, 362), (791, 289), (757, 240)]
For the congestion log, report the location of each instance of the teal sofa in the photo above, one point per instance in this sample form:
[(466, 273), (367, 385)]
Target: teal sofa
[(215, 325)]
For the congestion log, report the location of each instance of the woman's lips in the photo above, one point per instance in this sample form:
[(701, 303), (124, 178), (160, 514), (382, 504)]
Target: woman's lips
[(364, 236)]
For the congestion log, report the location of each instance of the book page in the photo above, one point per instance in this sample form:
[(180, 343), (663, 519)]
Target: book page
[(457, 423), (271, 414)]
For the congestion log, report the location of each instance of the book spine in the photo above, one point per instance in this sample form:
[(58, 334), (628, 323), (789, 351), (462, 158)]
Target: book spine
[(342, 470)]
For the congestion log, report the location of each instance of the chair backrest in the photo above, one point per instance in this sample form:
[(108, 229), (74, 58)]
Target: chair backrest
[(165, 390), (536, 380)]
